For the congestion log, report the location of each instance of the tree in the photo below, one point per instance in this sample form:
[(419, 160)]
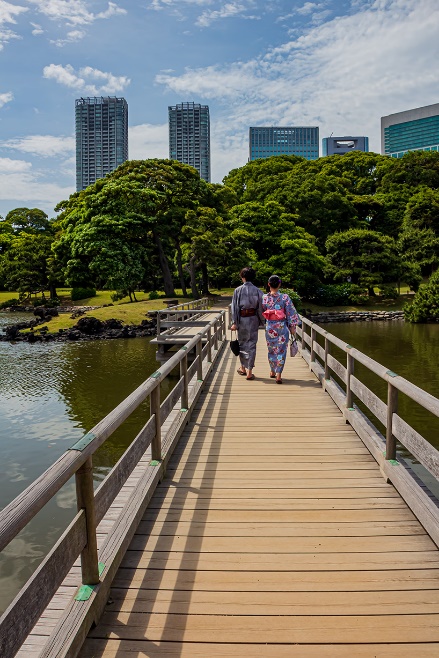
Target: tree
[(142, 205), (425, 306), (420, 246), (25, 266), (28, 220), (366, 258), (422, 210)]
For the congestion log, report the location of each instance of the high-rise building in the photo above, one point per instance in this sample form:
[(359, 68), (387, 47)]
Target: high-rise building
[(292, 140), (101, 137), (412, 130), (342, 145), (189, 136)]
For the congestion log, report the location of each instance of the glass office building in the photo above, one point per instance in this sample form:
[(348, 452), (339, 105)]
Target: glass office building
[(101, 137), (342, 145), (292, 140), (413, 130), (189, 136)]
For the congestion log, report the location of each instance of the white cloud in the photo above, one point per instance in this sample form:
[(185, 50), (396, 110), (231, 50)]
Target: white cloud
[(29, 188), (8, 12), (148, 141), (341, 75), (163, 4), (72, 37), (83, 79), (42, 145), (6, 36), (308, 8), (228, 10), (74, 12), (6, 97), (9, 166), (37, 29)]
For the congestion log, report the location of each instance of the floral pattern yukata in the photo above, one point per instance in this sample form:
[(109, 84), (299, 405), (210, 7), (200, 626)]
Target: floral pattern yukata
[(277, 331)]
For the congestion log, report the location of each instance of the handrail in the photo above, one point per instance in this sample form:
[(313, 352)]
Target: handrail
[(77, 460), (384, 449), (193, 308)]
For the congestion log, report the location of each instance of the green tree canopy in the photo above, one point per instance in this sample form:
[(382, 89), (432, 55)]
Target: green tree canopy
[(425, 306)]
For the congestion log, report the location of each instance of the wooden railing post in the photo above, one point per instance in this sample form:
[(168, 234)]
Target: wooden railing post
[(215, 335), (327, 353), (199, 349), (209, 345), (312, 356), (156, 443), (349, 372), (392, 408), (184, 374), (86, 501), (158, 323)]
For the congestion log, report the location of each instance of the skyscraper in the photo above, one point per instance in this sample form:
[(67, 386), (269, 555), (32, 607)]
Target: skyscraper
[(189, 136), (412, 130), (292, 140), (342, 145), (101, 137)]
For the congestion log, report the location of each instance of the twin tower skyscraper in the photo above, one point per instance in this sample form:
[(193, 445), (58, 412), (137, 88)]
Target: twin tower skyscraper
[(101, 125)]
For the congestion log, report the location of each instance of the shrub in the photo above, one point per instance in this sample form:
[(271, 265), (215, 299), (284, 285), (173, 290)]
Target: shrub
[(82, 293), (118, 295), (425, 306), (388, 292), (333, 294), (295, 298), (154, 294), (359, 296), (10, 302)]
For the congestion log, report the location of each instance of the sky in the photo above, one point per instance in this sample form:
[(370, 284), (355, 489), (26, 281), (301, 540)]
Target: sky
[(337, 64)]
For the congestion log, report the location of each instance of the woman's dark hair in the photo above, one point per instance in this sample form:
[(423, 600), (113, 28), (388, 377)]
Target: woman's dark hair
[(274, 281), (248, 274)]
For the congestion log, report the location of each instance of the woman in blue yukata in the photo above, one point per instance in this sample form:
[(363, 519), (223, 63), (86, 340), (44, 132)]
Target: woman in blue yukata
[(282, 320)]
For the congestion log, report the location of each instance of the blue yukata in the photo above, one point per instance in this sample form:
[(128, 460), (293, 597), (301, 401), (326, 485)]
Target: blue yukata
[(277, 331)]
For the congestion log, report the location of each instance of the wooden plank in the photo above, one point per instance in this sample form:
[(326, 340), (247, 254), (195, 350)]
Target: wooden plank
[(372, 401), (96, 648), (277, 629), (282, 581), (427, 454)]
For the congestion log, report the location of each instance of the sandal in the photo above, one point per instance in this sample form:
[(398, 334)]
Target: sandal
[(278, 381), (249, 379), (272, 375), (239, 371)]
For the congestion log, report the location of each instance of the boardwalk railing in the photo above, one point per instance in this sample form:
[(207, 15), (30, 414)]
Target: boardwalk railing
[(80, 536), (383, 448), (173, 316)]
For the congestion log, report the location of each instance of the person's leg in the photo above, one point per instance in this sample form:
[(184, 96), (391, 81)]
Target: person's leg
[(282, 354), (251, 345)]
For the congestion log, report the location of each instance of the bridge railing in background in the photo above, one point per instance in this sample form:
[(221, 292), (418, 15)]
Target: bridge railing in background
[(80, 537), (184, 311), (383, 448)]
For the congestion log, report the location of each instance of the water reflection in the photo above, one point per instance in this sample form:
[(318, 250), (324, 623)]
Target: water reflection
[(411, 351), (50, 395)]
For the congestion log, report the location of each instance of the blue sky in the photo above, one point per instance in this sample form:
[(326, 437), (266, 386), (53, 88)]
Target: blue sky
[(338, 64)]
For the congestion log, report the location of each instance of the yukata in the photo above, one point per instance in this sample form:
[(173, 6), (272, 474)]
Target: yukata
[(277, 331), (247, 296)]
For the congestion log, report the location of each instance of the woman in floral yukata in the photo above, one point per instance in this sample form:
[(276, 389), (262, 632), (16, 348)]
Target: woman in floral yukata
[(282, 320)]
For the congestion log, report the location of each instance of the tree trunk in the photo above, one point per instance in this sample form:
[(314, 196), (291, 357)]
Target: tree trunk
[(204, 279), (52, 291), (192, 268), (180, 271), (164, 266)]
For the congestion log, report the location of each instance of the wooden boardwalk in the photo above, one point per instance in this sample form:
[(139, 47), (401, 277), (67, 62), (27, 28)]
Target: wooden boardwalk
[(273, 535)]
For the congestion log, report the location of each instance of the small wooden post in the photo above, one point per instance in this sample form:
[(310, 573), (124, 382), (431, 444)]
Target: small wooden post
[(199, 349), (156, 444), (158, 323), (184, 374), (215, 335), (392, 408), (327, 353), (349, 372), (209, 344), (86, 501), (313, 338)]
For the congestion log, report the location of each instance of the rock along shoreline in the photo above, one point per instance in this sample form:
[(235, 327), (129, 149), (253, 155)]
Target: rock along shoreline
[(355, 316)]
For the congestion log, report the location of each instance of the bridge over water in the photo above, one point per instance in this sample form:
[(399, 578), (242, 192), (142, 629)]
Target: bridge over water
[(245, 519)]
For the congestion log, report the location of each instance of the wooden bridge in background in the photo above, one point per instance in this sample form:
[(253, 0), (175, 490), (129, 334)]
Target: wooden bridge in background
[(246, 519)]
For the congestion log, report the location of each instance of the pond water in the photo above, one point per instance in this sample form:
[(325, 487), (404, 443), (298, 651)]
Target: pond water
[(52, 393)]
